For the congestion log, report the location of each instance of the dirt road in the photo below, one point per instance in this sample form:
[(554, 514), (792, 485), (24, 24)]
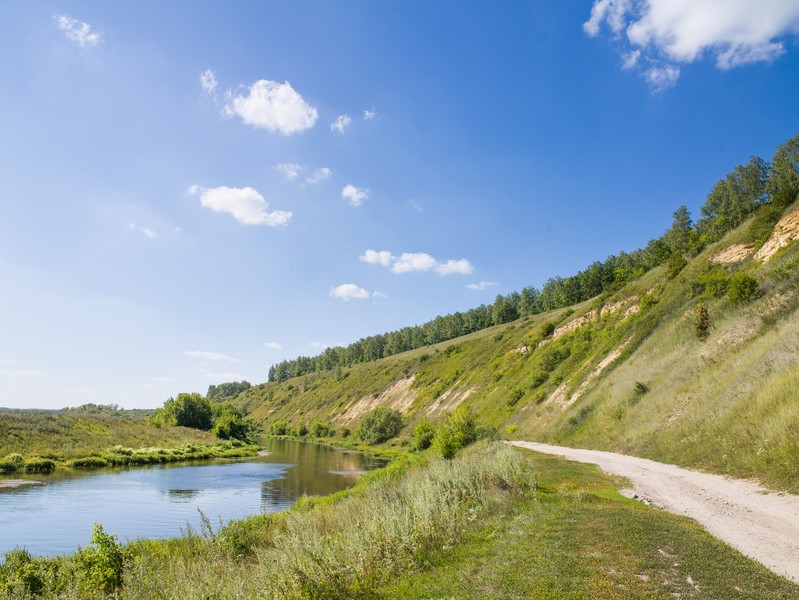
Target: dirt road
[(760, 523)]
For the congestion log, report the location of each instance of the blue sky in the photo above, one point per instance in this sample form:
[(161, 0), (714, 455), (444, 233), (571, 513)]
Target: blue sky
[(193, 191)]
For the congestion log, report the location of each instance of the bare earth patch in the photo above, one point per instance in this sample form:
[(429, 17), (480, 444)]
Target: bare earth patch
[(733, 254), (785, 231), (760, 523), (398, 396), (15, 483)]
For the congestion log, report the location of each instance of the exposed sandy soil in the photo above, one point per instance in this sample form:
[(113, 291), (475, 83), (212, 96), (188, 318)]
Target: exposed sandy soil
[(733, 254), (13, 483), (785, 231), (398, 395), (758, 522)]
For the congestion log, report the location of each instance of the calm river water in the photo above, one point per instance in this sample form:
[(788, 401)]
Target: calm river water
[(159, 501)]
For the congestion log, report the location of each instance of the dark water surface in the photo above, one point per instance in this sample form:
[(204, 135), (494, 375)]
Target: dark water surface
[(159, 501)]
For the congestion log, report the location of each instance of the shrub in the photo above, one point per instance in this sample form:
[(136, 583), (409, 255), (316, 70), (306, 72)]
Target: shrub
[(515, 395), (675, 264), (278, 428), (12, 463), (639, 390), (20, 575), (457, 432), (743, 288), (322, 430), (100, 564), (302, 429), (702, 323), (423, 435), (89, 462), (380, 425), (345, 432), (39, 465)]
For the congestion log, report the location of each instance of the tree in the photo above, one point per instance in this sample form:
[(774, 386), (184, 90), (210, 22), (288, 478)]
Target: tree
[(742, 288), (677, 236), (782, 184), (734, 198), (380, 425), (187, 410)]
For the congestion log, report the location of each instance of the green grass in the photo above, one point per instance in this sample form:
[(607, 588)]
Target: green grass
[(578, 538)]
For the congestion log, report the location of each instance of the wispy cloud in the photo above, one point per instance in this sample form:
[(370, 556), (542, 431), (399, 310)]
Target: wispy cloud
[(319, 175), (246, 205), (355, 195), (369, 114), (210, 356), (77, 31), (150, 233), (163, 379), (273, 345), (224, 376), (273, 106), (21, 373), (480, 285), (656, 36), (408, 262), (290, 170), (340, 124), (208, 82)]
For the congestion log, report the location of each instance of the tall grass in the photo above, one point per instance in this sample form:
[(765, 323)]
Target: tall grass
[(394, 524)]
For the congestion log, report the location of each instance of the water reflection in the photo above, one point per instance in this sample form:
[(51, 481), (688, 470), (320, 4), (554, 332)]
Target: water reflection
[(315, 470), (159, 501)]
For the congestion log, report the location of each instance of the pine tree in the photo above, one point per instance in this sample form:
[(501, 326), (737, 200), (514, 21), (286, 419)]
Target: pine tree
[(702, 323)]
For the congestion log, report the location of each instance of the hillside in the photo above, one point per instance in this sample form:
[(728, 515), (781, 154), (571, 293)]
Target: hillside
[(623, 371)]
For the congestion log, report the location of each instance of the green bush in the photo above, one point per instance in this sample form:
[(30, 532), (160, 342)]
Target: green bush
[(39, 465), (302, 429), (515, 395), (89, 462), (101, 563), (743, 288), (675, 264), (21, 574), (423, 435), (380, 425), (457, 432), (12, 463), (319, 430), (278, 428)]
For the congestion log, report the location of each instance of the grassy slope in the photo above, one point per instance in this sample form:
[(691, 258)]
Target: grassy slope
[(67, 436), (726, 404)]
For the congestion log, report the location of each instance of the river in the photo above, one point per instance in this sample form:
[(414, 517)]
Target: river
[(56, 514)]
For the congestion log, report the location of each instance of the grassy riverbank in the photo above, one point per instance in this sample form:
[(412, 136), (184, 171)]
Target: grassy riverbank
[(493, 522), (39, 441)]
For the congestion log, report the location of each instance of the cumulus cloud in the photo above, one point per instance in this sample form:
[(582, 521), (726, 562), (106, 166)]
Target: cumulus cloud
[(340, 124), (77, 31), (355, 195), (408, 262), (290, 170), (480, 285), (273, 345), (273, 106), (245, 204), (208, 82), (349, 291), (666, 33), (373, 257), (207, 356), (319, 175)]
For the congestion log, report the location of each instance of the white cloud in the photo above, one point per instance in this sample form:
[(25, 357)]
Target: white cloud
[(480, 285), (317, 345), (355, 195), (78, 31), (369, 115), (273, 345), (662, 77), (273, 106), (408, 262), (378, 295), (245, 204), (290, 170), (373, 257), (145, 230), (459, 267), (349, 291), (416, 206), (208, 81), (414, 261), (340, 124), (670, 32), (210, 356), (319, 175)]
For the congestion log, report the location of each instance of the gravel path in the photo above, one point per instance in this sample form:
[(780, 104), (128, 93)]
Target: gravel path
[(760, 523)]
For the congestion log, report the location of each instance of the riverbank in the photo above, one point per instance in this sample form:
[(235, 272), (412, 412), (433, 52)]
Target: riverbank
[(492, 522)]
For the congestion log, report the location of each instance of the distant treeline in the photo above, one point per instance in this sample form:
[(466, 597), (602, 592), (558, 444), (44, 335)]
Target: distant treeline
[(757, 186)]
